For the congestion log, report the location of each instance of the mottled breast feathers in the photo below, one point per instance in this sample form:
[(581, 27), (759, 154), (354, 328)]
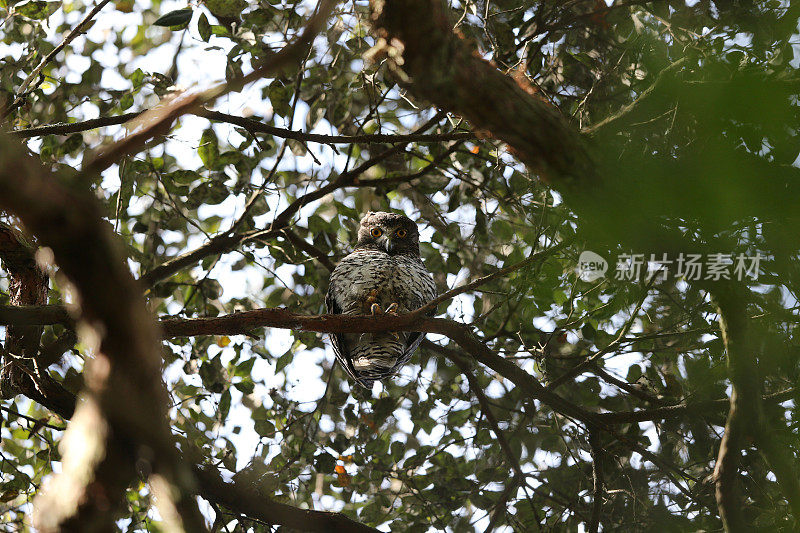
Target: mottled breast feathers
[(383, 273)]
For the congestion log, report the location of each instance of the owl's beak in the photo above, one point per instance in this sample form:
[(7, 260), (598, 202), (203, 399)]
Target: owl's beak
[(389, 245)]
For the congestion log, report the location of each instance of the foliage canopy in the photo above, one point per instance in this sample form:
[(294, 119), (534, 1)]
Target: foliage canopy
[(688, 111)]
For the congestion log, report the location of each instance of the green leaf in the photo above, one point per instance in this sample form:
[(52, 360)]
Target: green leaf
[(203, 27), (246, 386), (36, 9), (178, 17), (324, 463), (137, 78), (231, 157), (126, 101), (211, 288), (634, 373), (207, 193), (224, 405), (209, 149), (182, 177), (245, 368), (283, 360)]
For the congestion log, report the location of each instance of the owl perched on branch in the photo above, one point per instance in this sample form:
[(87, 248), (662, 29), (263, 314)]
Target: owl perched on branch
[(383, 275)]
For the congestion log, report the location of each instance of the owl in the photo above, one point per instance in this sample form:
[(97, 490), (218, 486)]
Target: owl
[(383, 275)]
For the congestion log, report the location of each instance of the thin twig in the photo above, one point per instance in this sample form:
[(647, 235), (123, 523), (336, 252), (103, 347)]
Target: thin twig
[(580, 368), (474, 284), (625, 110), (36, 421), (308, 248)]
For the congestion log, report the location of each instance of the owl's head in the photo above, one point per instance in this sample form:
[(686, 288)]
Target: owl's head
[(389, 232)]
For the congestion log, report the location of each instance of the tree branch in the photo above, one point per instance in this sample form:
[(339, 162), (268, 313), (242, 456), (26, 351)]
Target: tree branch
[(746, 416), (66, 128), (248, 502), (474, 284), (435, 65), (590, 361), (597, 480), (238, 498), (309, 249), (28, 284), (34, 315), (247, 321), (106, 432), (745, 409), (499, 509), (627, 109), (685, 408)]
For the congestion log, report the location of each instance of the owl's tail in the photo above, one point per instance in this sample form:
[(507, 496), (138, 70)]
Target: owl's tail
[(376, 358)]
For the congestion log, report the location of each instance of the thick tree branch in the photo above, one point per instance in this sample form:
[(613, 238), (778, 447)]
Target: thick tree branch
[(67, 128), (43, 389), (746, 416), (125, 405), (28, 284), (436, 65), (745, 409), (34, 315), (247, 321), (726, 470)]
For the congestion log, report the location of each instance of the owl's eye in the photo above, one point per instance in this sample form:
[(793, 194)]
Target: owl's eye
[(401, 233), (376, 232)]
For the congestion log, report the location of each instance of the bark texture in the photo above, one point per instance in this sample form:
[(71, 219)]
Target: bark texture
[(122, 417), (437, 65), (22, 371)]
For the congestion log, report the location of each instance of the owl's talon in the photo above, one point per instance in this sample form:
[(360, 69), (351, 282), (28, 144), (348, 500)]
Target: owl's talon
[(375, 309), (392, 309)]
